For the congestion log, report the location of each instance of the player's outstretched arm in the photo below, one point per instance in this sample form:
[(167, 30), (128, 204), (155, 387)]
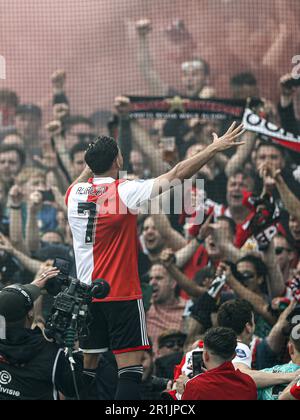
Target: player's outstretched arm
[(188, 168)]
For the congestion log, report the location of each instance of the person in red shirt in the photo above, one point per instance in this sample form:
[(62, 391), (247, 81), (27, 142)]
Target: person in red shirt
[(102, 213), (221, 381)]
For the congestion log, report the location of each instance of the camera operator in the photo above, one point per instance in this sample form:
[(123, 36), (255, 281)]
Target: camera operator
[(31, 368)]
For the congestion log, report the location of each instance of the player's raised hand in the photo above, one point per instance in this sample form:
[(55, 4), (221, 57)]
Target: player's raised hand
[(122, 105), (229, 139)]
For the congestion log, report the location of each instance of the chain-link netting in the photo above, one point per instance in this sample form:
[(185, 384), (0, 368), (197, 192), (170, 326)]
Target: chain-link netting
[(96, 43)]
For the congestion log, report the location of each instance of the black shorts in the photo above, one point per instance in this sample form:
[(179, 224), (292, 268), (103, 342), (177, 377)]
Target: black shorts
[(117, 326)]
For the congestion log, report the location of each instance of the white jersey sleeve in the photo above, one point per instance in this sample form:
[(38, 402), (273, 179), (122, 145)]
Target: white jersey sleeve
[(243, 355), (135, 193)]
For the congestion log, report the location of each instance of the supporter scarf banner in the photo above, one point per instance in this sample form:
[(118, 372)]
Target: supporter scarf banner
[(257, 124), (178, 108)]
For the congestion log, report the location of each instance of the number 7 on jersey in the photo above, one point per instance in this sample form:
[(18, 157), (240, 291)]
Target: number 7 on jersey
[(91, 210)]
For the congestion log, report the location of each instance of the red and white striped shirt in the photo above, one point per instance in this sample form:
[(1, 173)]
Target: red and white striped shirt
[(102, 215)]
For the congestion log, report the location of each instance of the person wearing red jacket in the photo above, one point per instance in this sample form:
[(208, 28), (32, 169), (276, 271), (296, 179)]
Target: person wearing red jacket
[(221, 381)]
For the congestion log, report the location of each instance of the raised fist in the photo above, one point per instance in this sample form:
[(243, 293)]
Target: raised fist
[(54, 128), (60, 111), (287, 85), (167, 257), (122, 105), (15, 196), (143, 27), (35, 201), (58, 79)]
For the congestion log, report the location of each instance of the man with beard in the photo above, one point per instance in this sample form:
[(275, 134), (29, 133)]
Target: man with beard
[(166, 311), (12, 160)]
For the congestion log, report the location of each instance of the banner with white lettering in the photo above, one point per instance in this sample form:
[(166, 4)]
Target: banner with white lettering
[(257, 124), (181, 108)]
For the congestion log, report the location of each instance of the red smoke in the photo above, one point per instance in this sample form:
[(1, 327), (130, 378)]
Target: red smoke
[(94, 41)]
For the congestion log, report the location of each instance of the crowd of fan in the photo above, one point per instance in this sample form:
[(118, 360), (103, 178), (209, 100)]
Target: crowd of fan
[(182, 267)]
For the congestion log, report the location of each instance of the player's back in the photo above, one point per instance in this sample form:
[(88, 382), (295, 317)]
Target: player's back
[(105, 233)]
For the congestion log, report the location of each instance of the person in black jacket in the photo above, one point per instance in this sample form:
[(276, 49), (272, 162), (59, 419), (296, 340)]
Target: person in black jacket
[(32, 368)]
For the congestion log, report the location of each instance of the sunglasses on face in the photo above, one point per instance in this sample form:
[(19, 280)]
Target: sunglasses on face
[(280, 249), (247, 275)]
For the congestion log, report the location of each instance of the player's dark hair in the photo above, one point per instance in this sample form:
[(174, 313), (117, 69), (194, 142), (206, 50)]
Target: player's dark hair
[(221, 342), (101, 154), (235, 314)]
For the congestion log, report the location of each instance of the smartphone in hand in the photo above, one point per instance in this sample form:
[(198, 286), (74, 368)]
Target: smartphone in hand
[(197, 361)]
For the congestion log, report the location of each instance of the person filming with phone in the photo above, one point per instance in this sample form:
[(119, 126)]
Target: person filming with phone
[(218, 380)]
